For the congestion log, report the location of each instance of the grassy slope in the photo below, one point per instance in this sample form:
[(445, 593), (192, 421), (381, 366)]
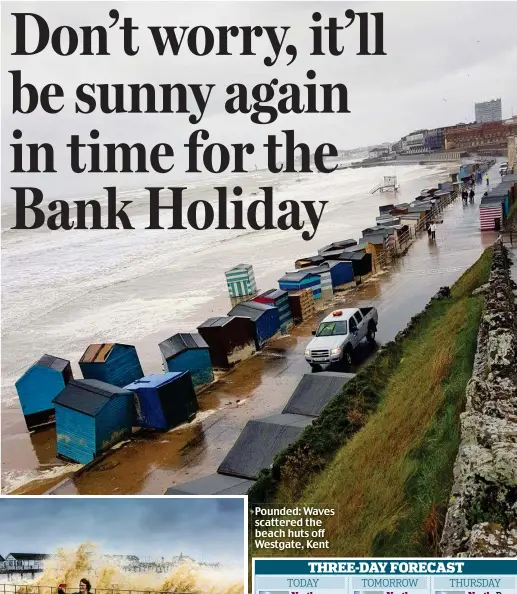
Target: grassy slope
[(391, 480)]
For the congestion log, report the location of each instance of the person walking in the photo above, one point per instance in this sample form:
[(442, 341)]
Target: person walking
[(433, 231), (471, 196), (487, 179)]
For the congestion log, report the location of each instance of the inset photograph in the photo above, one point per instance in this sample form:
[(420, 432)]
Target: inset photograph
[(122, 545)]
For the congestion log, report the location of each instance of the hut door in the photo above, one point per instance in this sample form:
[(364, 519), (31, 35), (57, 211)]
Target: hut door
[(497, 224)]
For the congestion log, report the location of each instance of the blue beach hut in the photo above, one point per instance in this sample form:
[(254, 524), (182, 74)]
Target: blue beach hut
[(91, 416), (38, 387), (164, 401), (296, 281), (113, 363), (279, 299), (265, 318), (188, 352), (341, 273)]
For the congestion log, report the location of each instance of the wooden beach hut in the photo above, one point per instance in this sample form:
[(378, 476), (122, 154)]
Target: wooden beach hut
[(230, 340), (38, 387), (337, 245), (341, 273), (302, 305), (296, 281), (188, 352), (241, 280), (265, 318), (279, 299), (361, 262), (323, 272), (164, 400), (113, 363), (491, 212), (309, 261), (91, 416)]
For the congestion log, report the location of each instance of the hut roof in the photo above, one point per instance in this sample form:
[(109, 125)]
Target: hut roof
[(317, 269), (211, 322), (88, 396), (492, 199), (250, 309), (273, 293), (53, 362), (98, 353), (296, 276), (180, 343), (375, 239), (240, 267), (155, 380), (357, 256), (30, 556)]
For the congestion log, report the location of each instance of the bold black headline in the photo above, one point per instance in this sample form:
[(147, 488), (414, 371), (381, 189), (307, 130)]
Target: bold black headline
[(263, 103)]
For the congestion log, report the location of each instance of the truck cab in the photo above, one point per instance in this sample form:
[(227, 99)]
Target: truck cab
[(338, 335)]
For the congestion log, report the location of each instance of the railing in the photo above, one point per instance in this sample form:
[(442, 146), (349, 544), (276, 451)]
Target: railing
[(37, 589)]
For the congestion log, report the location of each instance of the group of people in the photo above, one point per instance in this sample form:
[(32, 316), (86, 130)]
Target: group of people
[(466, 195), (84, 587)]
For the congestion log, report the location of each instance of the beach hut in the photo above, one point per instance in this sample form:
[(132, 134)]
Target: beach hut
[(323, 272), (309, 261), (386, 209), (279, 299), (296, 281), (361, 262), (491, 212), (336, 245), (400, 209), (188, 352), (241, 280), (230, 340), (265, 318), (302, 305), (113, 363), (38, 387), (341, 273), (164, 400), (91, 416)]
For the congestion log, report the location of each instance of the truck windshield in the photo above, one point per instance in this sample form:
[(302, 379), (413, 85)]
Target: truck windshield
[(331, 329)]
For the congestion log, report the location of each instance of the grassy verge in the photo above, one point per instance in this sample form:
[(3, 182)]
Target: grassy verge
[(383, 450)]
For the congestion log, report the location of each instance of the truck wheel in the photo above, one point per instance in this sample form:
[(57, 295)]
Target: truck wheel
[(348, 357), (370, 337)]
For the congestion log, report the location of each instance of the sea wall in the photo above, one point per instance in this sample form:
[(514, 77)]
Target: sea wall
[(482, 515)]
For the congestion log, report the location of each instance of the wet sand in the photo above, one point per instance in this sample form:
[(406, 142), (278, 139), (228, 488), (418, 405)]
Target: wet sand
[(262, 385)]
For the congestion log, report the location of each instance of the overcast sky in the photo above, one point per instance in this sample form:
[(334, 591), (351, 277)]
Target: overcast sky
[(144, 527), (441, 58)]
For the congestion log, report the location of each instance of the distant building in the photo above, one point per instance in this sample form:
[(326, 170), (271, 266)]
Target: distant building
[(416, 141), (489, 111), (490, 135), (22, 561), (378, 151), (434, 140)]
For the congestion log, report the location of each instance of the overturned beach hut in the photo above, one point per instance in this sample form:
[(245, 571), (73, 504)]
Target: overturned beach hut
[(265, 318), (302, 305), (361, 262), (309, 261), (337, 245), (385, 209), (314, 391), (113, 363), (241, 280), (230, 340), (91, 416), (279, 299), (188, 352), (341, 273), (296, 281), (213, 484), (260, 441), (38, 387), (164, 400)]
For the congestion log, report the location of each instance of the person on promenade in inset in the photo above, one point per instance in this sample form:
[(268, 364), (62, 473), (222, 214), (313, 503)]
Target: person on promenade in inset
[(84, 587), (428, 228), (471, 195), (487, 179), (433, 231), (464, 195)]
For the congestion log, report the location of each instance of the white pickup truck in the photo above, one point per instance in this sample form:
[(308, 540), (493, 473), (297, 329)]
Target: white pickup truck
[(339, 333)]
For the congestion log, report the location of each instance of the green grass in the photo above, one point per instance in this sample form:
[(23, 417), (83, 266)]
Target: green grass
[(383, 450)]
